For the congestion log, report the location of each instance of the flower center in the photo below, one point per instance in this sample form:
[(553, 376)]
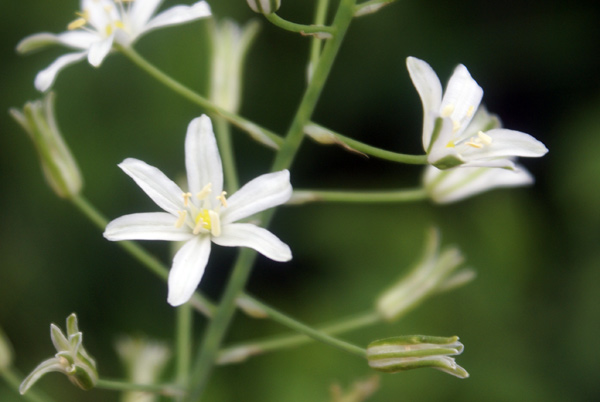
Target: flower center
[(480, 141), (203, 219), (111, 18)]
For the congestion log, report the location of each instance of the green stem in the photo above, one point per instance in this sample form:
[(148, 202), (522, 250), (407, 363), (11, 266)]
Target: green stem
[(258, 133), (320, 31), (14, 379), (184, 343), (316, 44), (226, 150), (161, 389), (241, 352), (304, 196), (327, 136)]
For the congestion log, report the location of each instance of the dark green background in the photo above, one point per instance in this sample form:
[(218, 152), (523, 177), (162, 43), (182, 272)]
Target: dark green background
[(529, 321)]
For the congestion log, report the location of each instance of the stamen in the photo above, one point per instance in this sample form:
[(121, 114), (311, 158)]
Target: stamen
[(203, 222), (475, 143), (470, 111), (450, 144), (119, 24), (78, 23), (199, 226), (447, 110), (455, 126), (181, 219), (215, 223), (222, 198), (204, 192), (109, 30), (186, 199), (483, 137)]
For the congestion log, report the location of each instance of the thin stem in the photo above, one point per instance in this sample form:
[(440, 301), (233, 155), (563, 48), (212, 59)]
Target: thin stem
[(327, 136), (184, 343), (411, 195), (161, 389), (260, 134), (226, 150), (14, 379), (319, 31), (316, 43), (241, 352)]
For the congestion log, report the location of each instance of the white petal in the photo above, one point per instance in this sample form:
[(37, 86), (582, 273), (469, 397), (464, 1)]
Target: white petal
[(99, 50), (501, 163), (482, 121), (147, 226), (202, 159), (257, 238), (188, 267), (74, 39), (100, 13), (463, 96), (263, 192), (442, 148), (163, 191), (506, 143), (179, 15), (45, 78), (44, 367), (455, 184), (429, 88), (140, 13)]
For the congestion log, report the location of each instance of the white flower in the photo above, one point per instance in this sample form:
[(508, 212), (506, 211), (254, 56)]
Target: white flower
[(203, 214), (100, 24), (453, 133)]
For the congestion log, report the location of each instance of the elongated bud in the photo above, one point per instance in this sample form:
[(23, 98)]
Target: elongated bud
[(392, 355), (436, 272), (71, 359), (58, 165), (6, 353), (264, 6)]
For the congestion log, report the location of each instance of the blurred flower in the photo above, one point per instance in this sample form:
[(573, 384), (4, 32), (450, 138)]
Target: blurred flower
[(359, 392), (6, 353), (264, 6), (102, 23), (454, 134), (230, 45), (193, 217), (71, 359), (59, 166), (144, 361), (392, 355), (436, 272)]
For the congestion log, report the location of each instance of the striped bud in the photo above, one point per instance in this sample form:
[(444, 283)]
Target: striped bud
[(264, 6), (392, 355)]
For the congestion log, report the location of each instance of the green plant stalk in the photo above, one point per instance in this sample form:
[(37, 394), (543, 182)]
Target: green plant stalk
[(226, 150), (259, 133), (161, 389), (283, 160), (300, 28), (315, 46), (410, 195), (184, 343), (14, 379)]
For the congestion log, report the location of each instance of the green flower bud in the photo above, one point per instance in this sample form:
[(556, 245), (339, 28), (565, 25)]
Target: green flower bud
[(58, 165), (71, 359), (6, 353), (436, 272), (264, 6), (392, 355)]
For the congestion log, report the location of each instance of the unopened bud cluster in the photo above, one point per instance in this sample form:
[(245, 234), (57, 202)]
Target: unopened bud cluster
[(264, 6)]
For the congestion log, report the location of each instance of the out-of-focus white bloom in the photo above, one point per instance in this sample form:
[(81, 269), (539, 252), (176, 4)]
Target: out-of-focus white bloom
[(100, 24), (202, 215), (6, 352), (264, 6), (71, 359), (454, 129)]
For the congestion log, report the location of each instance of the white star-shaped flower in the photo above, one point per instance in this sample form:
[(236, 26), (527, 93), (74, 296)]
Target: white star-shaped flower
[(101, 23), (454, 130), (202, 215)]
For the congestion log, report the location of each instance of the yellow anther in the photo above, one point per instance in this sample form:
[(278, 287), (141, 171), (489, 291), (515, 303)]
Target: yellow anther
[(447, 110), (119, 24), (470, 111), (484, 138), (109, 30), (450, 144), (204, 192), (455, 126), (186, 198), (181, 219), (475, 143), (203, 221), (108, 8), (222, 198), (78, 23)]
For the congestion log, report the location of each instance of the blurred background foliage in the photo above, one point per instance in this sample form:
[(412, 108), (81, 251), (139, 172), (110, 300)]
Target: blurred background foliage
[(529, 321)]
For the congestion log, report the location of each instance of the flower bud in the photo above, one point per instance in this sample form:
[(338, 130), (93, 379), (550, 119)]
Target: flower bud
[(392, 355), (71, 359), (6, 353), (230, 44), (434, 273), (58, 165), (264, 6), (144, 361)]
